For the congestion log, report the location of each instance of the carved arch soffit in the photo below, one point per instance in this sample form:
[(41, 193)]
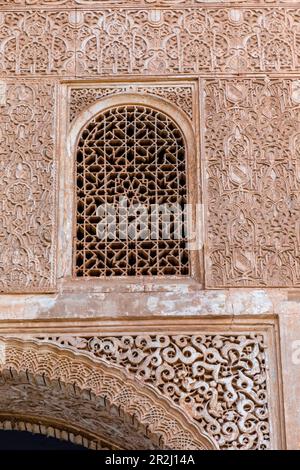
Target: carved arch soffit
[(114, 410)]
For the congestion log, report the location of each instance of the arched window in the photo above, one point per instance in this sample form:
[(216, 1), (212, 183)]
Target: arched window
[(131, 195)]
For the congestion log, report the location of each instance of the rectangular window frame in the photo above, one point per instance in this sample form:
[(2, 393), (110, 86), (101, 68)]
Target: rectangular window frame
[(67, 197)]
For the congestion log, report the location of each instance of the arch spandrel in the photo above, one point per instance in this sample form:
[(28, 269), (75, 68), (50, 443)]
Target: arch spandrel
[(126, 99), (110, 406)]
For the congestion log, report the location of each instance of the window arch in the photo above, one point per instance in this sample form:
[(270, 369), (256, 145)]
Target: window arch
[(131, 195)]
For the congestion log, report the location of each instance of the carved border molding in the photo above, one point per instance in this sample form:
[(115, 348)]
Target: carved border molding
[(146, 3), (93, 98), (132, 41), (251, 188), (251, 164)]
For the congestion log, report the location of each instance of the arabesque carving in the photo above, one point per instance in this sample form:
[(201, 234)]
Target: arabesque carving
[(10, 3), (188, 41), (220, 380), (37, 42), (180, 95), (150, 390), (60, 384), (251, 157), (150, 3), (149, 41), (27, 187)]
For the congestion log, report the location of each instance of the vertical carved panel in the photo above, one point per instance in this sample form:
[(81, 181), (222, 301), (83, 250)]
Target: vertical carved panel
[(252, 144), (27, 187)]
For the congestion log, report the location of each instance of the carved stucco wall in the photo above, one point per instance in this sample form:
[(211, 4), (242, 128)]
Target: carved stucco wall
[(49, 383), (219, 380), (77, 42), (222, 377), (249, 158), (27, 173), (234, 70)]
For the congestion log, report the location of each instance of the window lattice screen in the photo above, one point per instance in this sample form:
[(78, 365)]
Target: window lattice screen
[(135, 154)]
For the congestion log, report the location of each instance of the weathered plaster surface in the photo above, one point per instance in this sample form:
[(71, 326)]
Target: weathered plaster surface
[(232, 302)]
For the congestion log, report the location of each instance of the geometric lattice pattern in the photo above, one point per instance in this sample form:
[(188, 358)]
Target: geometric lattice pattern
[(130, 156)]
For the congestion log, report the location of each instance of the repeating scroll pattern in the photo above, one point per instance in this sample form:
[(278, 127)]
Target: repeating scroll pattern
[(151, 3), (37, 43), (8, 423), (85, 393), (253, 191), (188, 41), (81, 98), (18, 3), (149, 41), (220, 380), (27, 181)]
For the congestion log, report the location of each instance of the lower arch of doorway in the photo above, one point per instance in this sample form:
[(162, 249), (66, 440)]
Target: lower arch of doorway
[(56, 429), (56, 383)]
